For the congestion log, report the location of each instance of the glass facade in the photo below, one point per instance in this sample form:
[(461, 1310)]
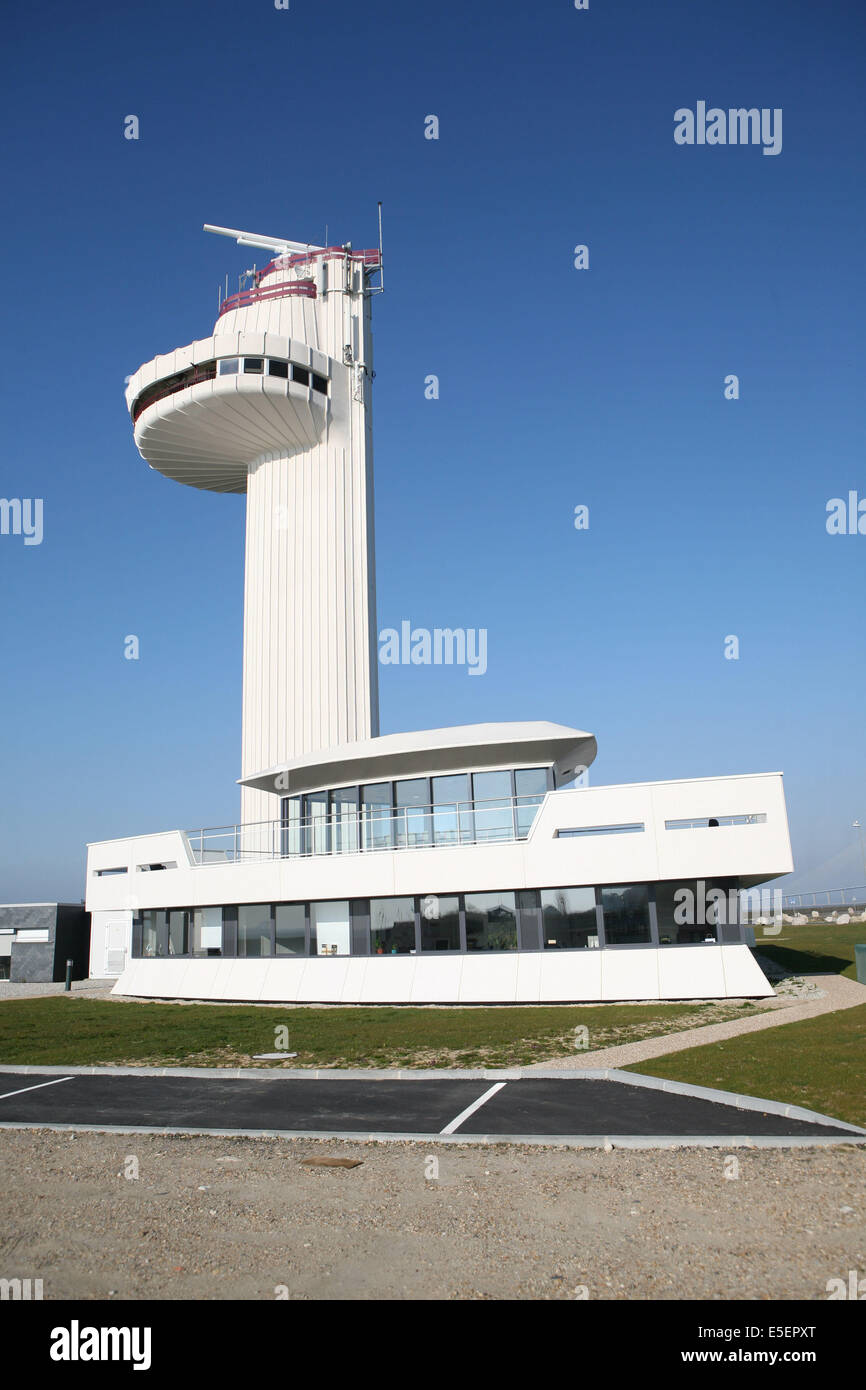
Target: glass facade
[(440, 923), (290, 930), (491, 922), (414, 812), (254, 930), (392, 926), (626, 915), (568, 918), (528, 919)]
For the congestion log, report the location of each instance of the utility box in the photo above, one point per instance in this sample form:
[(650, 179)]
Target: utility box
[(860, 961)]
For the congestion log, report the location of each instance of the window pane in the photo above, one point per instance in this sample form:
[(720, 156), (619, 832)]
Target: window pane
[(254, 930), (392, 926), (253, 364), (228, 366), (151, 944), (568, 918), (530, 781), (440, 923), (300, 375), (412, 821), (292, 837), (329, 929), (277, 368), (452, 799), (290, 929), (178, 928), (626, 914), (494, 818), (207, 931), (376, 815), (316, 808), (320, 383), (679, 909), (491, 922), (530, 789), (344, 820)]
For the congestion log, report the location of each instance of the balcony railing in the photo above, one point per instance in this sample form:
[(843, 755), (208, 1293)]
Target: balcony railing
[(367, 832)]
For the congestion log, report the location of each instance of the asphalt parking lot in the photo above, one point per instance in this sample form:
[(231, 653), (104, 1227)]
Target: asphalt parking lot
[(567, 1106)]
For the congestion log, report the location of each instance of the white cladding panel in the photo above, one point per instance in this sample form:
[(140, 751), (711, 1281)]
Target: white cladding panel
[(729, 971)]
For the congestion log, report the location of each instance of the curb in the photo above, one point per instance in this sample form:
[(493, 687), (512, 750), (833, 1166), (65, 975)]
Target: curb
[(605, 1142)]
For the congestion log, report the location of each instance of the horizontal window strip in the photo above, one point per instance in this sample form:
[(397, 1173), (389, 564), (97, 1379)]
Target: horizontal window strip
[(711, 822), (572, 833)]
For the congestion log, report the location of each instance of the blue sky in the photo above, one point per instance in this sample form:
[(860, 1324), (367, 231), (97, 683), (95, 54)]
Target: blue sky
[(558, 387)]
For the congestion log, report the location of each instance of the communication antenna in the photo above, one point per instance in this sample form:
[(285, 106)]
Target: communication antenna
[(270, 243)]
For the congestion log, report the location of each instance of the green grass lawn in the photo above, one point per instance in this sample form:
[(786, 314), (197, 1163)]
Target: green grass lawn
[(815, 948), (818, 1063), (74, 1031)]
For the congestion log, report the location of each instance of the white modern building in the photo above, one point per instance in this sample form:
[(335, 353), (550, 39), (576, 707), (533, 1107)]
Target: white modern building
[(448, 865)]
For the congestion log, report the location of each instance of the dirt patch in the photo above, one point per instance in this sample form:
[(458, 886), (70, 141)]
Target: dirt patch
[(210, 1218)]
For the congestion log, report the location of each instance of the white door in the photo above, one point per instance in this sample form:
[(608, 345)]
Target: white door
[(115, 948)]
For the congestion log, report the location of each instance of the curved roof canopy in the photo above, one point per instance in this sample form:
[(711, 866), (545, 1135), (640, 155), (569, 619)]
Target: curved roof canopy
[(464, 747)]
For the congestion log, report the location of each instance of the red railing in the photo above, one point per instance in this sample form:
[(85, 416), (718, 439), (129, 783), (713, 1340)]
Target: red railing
[(305, 288), (327, 253)]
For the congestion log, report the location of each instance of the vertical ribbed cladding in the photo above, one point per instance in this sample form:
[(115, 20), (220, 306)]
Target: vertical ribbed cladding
[(310, 678)]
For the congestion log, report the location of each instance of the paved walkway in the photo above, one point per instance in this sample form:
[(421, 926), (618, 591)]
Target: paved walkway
[(837, 992), (90, 989)]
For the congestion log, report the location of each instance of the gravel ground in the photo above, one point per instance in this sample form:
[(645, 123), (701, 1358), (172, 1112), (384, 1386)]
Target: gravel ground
[(212, 1218)]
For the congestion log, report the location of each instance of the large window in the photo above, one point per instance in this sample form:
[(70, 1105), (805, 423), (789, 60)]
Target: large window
[(686, 914), (207, 931), (151, 933), (178, 932), (440, 923), (568, 918), (376, 815), (392, 926), (254, 930), (316, 806), (412, 816), (530, 788), (344, 820), (491, 922), (330, 930), (626, 915), (290, 930), (494, 819), (452, 813), (292, 834)]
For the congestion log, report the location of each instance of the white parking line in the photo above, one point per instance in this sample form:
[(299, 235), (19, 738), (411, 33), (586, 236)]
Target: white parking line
[(37, 1087), (470, 1109)]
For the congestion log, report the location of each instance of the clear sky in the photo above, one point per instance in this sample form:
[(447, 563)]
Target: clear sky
[(558, 386)]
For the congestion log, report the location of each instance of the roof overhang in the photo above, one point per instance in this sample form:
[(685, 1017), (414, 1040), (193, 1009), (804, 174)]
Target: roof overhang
[(465, 747)]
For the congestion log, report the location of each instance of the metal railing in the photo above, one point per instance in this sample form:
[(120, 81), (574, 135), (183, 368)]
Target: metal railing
[(368, 831), (827, 897)]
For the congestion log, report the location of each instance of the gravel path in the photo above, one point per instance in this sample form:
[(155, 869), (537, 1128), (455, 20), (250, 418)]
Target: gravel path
[(220, 1218), (833, 992)]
